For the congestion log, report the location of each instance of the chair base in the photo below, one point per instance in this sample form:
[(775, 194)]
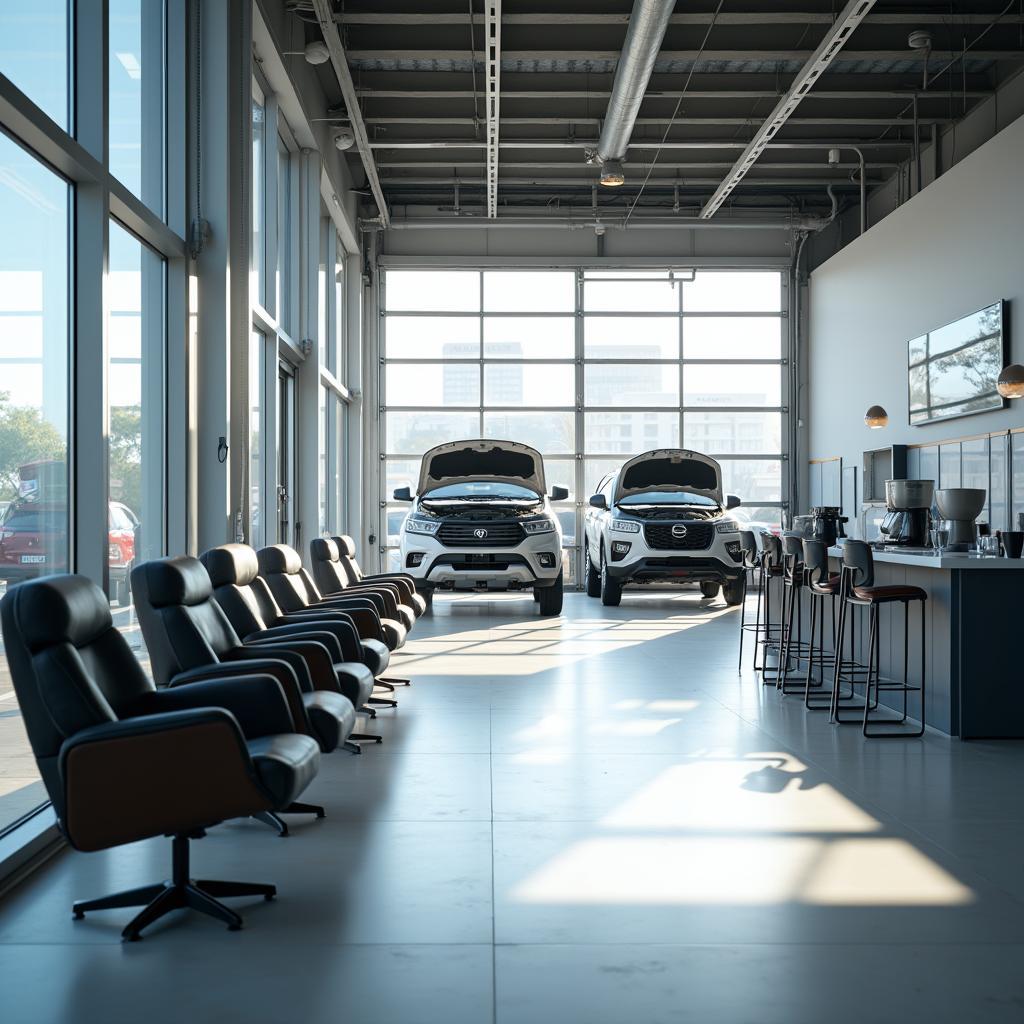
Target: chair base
[(383, 702), (179, 893), (394, 681), (366, 737)]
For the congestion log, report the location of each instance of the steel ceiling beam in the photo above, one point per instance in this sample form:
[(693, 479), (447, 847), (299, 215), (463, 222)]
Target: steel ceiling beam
[(420, 165), (492, 64), (635, 144), (339, 61), (663, 94), (827, 51), (711, 119)]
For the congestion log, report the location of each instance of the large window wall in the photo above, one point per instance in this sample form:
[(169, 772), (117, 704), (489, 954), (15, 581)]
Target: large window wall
[(590, 367)]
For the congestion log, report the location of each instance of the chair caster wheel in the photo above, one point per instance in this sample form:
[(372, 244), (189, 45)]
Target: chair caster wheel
[(78, 915), (235, 927)]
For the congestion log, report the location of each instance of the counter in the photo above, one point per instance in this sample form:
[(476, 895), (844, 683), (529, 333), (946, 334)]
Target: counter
[(974, 639)]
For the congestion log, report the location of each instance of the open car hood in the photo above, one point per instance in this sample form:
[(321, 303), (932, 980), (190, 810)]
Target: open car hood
[(670, 469), (497, 461)]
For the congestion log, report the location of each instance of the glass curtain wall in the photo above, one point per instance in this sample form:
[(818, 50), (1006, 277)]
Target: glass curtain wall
[(589, 367)]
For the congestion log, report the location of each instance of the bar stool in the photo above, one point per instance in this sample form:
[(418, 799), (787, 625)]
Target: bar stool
[(821, 585), (857, 589), (770, 635), (792, 612), (751, 566)]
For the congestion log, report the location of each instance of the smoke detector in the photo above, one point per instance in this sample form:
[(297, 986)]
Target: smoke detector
[(344, 138), (599, 229), (316, 52)]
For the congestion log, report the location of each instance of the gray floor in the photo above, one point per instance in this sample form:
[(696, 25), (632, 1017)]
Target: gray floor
[(590, 819)]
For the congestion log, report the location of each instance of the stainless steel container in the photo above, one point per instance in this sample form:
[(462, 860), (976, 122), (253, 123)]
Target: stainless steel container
[(961, 506), (904, 494)]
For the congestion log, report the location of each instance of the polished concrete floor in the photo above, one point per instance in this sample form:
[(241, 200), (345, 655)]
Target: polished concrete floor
[(591, 819)]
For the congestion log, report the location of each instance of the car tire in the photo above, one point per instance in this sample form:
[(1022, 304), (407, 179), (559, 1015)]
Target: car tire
[(536, 594), (590, 574), (549, 599), (428, 597), (733, 592), (611, 589), (709, 589)]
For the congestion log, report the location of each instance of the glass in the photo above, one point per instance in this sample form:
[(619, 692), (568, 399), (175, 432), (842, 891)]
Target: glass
[(600, 296), (432, 337), (988, 545), (136, 413), (412, 433), (940, 535), (628, 433), (631, 337), (432, 291), (724, 385), (322, 452), (135, 93), (401, 473), (432, 384), (257, 342), (257, 248), (733, 291), (338, 364), (733, 433), (752, 480), (529, 337), (35, 210), (548, 432), (529, 384), (561, 473), (732, 337), (637, 384), (35, 54), (544, 291), (284, 236)]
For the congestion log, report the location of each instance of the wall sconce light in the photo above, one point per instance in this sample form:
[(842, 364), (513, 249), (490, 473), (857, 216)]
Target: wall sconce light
[(876, 417), (1011, 381)]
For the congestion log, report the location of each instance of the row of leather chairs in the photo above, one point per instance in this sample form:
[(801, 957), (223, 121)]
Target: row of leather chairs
[(258, 671)]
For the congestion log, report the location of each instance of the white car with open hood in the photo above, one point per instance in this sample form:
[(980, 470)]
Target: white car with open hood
[(481, 520), (662, 518)]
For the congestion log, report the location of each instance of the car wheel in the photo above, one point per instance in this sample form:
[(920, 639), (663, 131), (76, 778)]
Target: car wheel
[(733, 592), (590, 574), (428, 597), (611, 589), (549, 599), (709, 589), (536, 595)]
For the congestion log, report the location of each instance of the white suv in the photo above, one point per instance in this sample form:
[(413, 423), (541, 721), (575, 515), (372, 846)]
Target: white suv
[(662, 518), (481, 521)]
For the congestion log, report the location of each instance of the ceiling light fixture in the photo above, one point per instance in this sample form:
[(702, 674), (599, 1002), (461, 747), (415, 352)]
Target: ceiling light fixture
[(612, 174), (1011, 381), (316, 52), (876, 417)]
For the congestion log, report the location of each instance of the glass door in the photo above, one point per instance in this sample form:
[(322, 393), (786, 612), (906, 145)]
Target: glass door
[(285, 453)]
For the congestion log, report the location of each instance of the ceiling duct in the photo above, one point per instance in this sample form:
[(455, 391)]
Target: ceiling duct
[(647, 25)]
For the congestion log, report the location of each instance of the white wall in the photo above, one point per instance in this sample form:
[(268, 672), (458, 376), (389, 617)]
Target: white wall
[(955, 247)]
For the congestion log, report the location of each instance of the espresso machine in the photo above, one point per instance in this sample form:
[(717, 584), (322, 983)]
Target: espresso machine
[(827, 523), (908, 512)]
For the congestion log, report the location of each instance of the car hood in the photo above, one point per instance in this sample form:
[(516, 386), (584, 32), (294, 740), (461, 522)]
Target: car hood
[(670, 469), (498, 461)]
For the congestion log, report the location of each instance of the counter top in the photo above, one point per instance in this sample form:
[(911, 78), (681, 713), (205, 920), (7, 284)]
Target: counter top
[(948, 562)]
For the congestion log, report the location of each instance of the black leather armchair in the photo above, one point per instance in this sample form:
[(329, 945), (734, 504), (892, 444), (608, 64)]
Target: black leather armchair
[(294, 590), (347, 557), (331, 579), (257, 618), (187, 634), (122, 761)]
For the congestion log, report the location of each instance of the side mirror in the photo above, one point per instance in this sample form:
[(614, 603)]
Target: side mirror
[(402, 494), (598, 501), (559, 493), (731, 502)]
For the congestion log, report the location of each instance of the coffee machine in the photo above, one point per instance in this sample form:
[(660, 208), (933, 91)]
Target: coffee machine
[(827, 523), (960, 507), (908, 512)]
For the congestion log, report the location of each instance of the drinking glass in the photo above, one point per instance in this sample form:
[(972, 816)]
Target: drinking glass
[(988, 545), (940, 536)]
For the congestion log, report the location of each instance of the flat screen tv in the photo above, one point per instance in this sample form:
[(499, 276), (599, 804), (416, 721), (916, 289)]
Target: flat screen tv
[(953, 369)]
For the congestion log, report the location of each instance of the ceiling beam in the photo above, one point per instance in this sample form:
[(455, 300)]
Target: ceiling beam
[(339, 61), (662, 94), (492, 65), (828, 49), (711, 119), (694, 165), (635, 144)]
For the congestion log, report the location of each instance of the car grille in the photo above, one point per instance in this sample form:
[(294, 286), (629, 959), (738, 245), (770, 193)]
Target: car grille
[(496, 535), (698, 536)]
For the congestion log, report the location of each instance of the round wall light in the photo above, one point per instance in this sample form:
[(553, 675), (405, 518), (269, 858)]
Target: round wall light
[(1011, 381), (876, 417), (316, 52)]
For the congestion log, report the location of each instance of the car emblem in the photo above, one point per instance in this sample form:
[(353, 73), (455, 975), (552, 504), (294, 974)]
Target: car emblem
[(480, 534), (679, 530)]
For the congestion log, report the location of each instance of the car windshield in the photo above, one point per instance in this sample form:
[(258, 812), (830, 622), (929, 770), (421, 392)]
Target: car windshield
[(669, 498), (24, 520), (483, 490)]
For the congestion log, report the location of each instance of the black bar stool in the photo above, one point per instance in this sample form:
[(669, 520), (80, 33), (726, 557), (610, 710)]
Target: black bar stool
[(770, 639), (797, 650), (857, 589), (751, 566), (821, 585)]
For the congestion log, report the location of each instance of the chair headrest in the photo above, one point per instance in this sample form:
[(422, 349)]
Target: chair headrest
[(279, 558), (231, 564), (174, 581), (323, 549), (346, 546), (60, 609)]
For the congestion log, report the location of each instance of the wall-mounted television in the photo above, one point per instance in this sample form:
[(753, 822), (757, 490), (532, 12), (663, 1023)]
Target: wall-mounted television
[(953, 369)]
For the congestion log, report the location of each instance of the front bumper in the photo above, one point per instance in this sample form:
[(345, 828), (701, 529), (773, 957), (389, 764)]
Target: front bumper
[(717, 563)]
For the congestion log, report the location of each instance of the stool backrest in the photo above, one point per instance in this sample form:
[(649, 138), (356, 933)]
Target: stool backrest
[(815, 561), (857, 558), (748, 545), (772, 549)]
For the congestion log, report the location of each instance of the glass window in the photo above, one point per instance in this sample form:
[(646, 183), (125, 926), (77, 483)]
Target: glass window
[(732, 291), (631, 384), (629, 432), (257, 344), (529, 384), (338, 362), (135, 391), (529, 337), (34, 347), (631, 296), (752, 480), (412, 433), (733, 433), (285, 225), (549, 432), (732, 337), (723, 385), (433, 384), (631, 337), (433, 291), (432, 337), (136, 78), (35, 54), (258, 247), (544, 291), (323, 430)]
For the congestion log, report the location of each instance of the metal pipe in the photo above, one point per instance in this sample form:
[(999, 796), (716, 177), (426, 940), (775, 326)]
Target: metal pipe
[(589, 222), (647, 25)]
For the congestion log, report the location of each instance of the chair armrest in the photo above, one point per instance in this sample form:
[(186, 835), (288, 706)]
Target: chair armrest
[(386, 591), (369, 598), (301, 631), (362, 613), (317, 659), (156, 775), (257, 701), (405, 583), (338, 624)]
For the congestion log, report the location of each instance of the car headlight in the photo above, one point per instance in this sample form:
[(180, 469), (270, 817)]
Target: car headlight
[(544, 525), (727, 526), (625, 526), (416, 525)]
